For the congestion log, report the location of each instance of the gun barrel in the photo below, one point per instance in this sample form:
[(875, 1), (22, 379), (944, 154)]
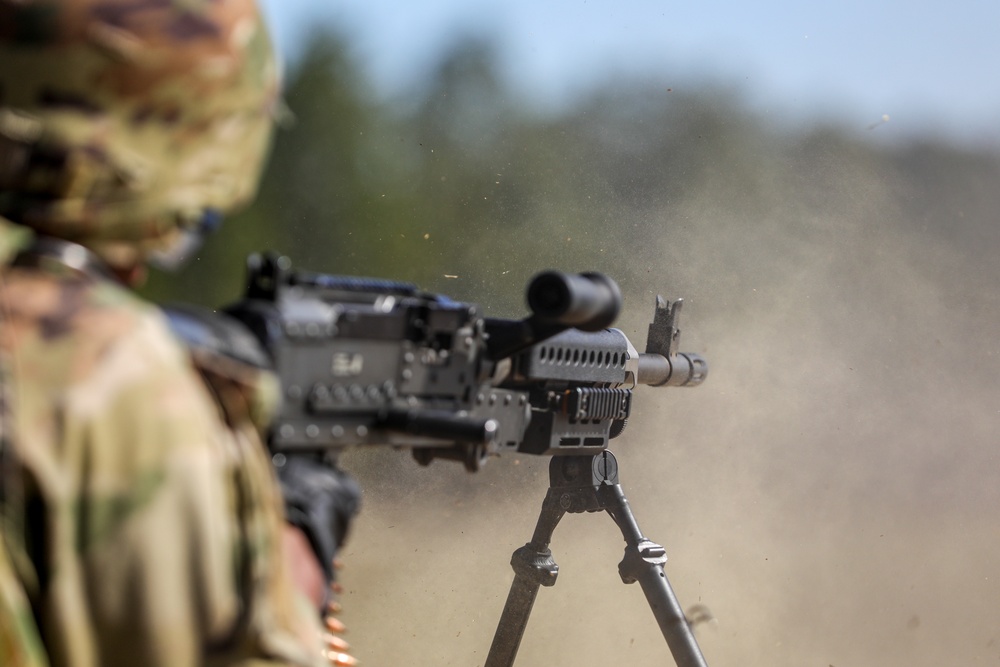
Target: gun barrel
[(684, 369), (587, 301)]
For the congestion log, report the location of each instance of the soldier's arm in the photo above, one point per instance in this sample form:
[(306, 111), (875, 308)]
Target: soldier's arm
[(181, 525)]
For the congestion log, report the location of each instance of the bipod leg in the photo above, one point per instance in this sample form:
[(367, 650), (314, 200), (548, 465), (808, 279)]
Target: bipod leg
[(590, 484), (533, 567), (643, 562)]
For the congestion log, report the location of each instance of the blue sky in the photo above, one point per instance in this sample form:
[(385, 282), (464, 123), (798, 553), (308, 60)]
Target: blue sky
[(929, 66)]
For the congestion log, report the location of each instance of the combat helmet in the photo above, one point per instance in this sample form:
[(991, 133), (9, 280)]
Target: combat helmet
[(128, 125)]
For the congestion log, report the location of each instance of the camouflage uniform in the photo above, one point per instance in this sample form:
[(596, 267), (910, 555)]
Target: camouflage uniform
[(20, 645), (149, 516), (140, 512)]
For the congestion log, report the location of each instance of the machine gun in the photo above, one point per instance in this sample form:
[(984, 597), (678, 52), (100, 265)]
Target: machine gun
[(373, 362), (365, 361)]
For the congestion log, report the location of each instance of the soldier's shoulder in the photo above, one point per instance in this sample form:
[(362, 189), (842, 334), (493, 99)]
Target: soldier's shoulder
[(52, 309), (92, 345)]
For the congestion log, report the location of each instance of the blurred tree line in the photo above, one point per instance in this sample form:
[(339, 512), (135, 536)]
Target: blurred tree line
[(842, 288), (464, 189)]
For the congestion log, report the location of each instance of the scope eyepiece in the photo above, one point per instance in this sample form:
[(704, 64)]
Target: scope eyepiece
[(586, 301)]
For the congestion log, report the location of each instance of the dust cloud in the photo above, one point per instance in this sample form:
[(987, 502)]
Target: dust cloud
[(829, 494)]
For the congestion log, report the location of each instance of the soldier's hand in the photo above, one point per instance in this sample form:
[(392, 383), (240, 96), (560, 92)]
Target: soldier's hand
[(304, 567)]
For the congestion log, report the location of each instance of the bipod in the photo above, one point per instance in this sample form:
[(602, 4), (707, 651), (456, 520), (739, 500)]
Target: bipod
[(590, 484)]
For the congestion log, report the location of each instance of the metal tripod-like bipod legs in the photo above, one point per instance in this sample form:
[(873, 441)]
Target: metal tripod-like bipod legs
[(590, 484)]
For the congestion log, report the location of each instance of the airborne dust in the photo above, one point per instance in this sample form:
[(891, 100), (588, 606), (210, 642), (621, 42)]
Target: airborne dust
[(828, 494)]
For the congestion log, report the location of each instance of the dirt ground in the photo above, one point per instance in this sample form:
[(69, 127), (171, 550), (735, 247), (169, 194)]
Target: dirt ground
[(829, 494)]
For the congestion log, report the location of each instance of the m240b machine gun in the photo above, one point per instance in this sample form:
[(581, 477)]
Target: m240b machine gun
[(373, 362), (365, 361)]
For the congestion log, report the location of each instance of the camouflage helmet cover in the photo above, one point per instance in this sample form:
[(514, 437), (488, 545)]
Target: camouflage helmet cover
[(122, 122)]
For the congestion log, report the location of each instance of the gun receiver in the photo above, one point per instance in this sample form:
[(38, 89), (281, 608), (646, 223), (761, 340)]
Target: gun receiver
[(365, 361)]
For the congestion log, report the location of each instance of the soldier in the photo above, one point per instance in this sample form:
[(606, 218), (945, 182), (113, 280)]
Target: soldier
[(141, 519)]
